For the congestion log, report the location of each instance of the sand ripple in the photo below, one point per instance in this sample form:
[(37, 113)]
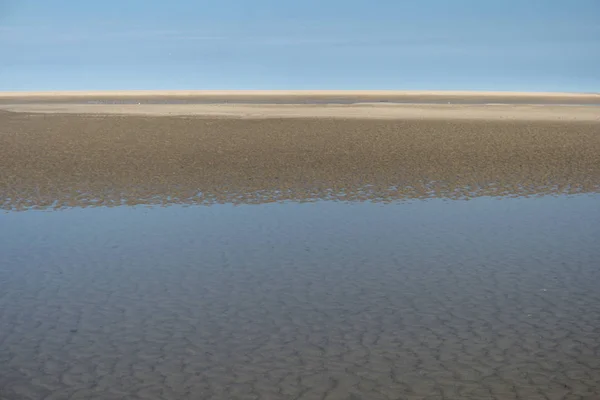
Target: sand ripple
[(83, 160)]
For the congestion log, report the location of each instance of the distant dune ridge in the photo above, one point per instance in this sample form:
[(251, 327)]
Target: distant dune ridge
[(315, 104)]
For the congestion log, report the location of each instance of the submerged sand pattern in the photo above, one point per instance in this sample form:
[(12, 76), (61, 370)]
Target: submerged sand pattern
[(481, 300), (54, 160)]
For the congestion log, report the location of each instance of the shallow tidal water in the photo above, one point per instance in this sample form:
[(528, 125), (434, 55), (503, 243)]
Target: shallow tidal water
[(492, 298)]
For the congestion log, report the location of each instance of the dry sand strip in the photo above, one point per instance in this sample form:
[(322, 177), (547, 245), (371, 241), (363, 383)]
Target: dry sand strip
[(59, 160), (300, 97), (345, 111)]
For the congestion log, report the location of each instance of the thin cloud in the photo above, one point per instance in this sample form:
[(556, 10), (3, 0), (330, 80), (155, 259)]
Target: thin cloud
[(48, 35)]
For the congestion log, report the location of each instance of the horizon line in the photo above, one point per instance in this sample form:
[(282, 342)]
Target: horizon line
[(341, 92)]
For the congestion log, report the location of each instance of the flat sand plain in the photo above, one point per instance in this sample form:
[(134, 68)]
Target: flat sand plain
[(57, 160), (298, 97), (530, 112)]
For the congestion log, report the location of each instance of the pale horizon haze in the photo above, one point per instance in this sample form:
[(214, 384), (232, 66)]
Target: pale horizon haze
[(269, 45)]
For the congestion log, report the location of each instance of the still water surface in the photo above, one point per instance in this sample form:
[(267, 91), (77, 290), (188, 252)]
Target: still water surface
[(427, 299)]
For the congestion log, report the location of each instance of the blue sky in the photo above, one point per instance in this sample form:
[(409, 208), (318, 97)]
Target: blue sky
[(527, 45)]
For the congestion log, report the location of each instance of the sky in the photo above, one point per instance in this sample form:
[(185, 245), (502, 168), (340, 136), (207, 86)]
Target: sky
[(520, 45)]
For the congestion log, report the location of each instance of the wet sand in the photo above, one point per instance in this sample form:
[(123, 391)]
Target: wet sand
[(438, 300), (56, 160)]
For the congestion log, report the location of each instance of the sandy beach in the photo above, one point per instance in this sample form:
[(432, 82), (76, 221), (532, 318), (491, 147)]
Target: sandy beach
[(249, 285), (296, 97), (232, 243), (57, 159), (87, 148), (315, 104), (346, 111)]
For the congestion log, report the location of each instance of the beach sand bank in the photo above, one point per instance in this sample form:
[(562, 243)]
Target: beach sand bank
[(298, 97), (340, 111), (57, 160)]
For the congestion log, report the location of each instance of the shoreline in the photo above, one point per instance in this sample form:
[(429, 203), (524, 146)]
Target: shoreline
[(306, 97), (385, 111)]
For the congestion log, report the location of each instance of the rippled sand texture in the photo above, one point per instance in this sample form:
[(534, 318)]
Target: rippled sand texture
[(440, 300), (54, 160)]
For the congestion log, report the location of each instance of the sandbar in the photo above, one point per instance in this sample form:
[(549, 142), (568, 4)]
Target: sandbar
[(297, 97), (403, 105), (62, 160)]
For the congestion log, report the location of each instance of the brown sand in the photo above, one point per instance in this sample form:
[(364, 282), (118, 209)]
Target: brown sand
[(63, 159)]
